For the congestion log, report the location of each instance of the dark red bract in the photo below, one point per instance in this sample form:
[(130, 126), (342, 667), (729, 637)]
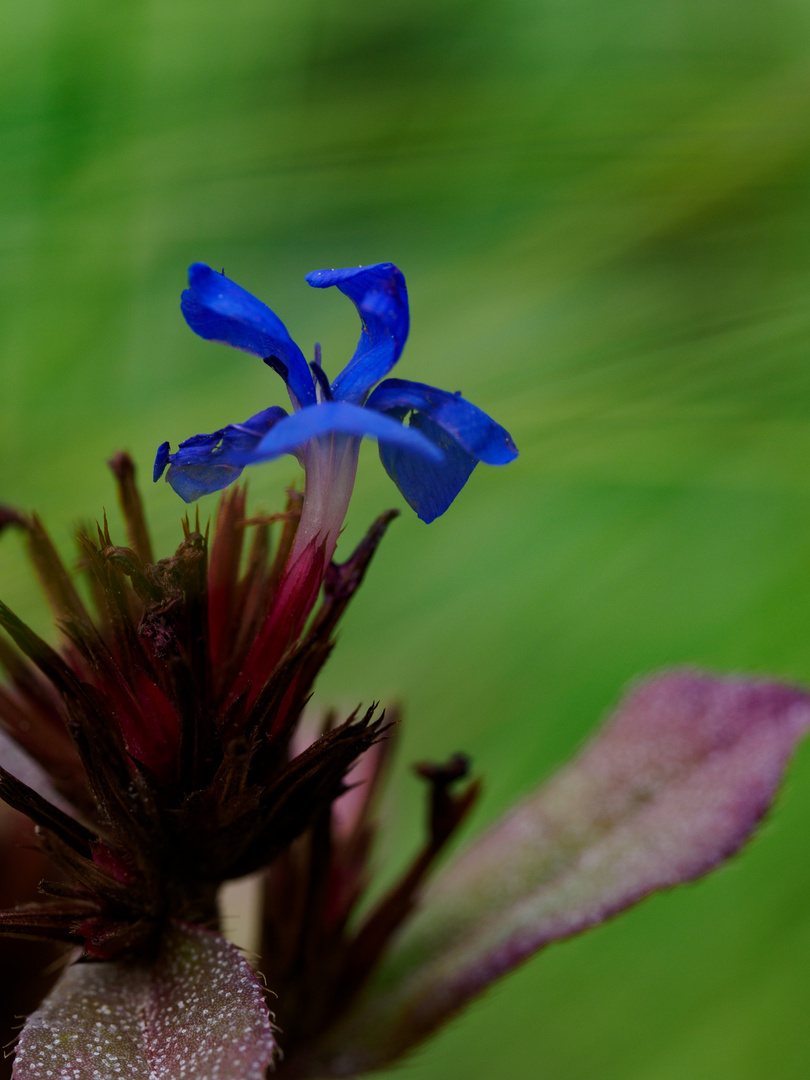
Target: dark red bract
[(163, 756)]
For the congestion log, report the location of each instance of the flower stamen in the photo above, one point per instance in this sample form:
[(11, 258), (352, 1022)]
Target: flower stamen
[(321, 379)]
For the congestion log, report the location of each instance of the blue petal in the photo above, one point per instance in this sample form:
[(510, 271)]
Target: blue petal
[(339, 417), (475, 432), (428, 487), (206, 463), (218, 309), (161, 461), (379, 294)]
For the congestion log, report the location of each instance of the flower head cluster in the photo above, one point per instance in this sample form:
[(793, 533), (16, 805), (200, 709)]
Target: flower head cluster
[(159, 750), (160, 753)]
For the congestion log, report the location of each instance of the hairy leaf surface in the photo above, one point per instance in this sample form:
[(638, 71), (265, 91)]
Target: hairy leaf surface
[(196, 1013)]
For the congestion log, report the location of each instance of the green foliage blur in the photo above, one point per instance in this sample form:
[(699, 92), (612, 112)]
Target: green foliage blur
[(602, 213)]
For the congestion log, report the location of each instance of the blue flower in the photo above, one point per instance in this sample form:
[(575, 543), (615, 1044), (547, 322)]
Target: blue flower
[(429, 458)]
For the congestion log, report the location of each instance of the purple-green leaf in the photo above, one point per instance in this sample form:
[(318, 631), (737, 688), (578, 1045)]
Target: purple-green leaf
[(197, 1013), (673, 785)]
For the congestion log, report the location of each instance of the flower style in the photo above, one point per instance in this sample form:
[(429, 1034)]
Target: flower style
[(429, 460)]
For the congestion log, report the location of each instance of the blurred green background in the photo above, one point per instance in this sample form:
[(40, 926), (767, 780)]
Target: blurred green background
[(602, 213)]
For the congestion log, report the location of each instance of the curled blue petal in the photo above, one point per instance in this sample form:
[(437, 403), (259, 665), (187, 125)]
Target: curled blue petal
[(475, 432), (161, 461), (218, 309), (463, 432), (381, 298), (429, 487), (206, 463), (339, 417)]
